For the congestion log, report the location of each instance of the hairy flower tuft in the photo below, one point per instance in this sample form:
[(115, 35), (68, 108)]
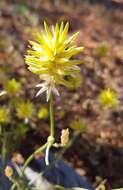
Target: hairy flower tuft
[(50, 57)]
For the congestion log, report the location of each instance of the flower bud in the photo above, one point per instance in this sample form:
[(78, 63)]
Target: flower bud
[(64, 136)]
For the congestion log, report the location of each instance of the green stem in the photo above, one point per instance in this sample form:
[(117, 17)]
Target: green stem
[(59, 156), (29, 159), (3, 153), (13, 186), (49, 142), (15, 183), (50, 139), (51, 116)]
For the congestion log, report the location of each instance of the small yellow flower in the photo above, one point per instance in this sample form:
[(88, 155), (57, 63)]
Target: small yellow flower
[(25, 110), (8, 171), (12, 86), (64, 137), (4, 115), (43, 113), (50, 57), (108, 98), (78, 125)]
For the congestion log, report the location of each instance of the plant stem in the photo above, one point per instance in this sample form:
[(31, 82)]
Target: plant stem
[(50, 139), (51, 116), (3, 154), (29, 159), (47, 154), (49, 142), (59, 156), (13, 186)]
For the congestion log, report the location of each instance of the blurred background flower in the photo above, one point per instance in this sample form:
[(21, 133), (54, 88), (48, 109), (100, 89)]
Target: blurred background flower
[(108, 98), (12, 86), (78, 125), (25, 109), (43, 112), (4, 115)]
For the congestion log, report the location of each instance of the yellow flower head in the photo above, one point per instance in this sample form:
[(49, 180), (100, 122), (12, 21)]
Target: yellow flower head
[(25, 110), (4, 115), (43, 113), (12, 86), (50, 57), (108, 98)]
